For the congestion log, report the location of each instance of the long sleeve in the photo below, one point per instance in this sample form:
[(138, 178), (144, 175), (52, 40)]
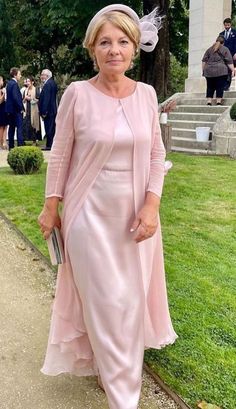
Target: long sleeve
[(44, 100), (17, 98), (205, 58), (62, 146), (157, 159)]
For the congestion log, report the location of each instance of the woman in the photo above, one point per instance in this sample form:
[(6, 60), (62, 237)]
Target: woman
[(3, 115), (107, 165), (215, 64), (31, 120)]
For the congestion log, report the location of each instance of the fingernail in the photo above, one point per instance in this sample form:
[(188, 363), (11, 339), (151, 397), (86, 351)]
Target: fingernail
[(131, 230)]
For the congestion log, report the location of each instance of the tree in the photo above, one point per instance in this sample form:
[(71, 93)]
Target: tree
[(49, 33), (179, 29), (52, 34), (7, 52), (154, 66)]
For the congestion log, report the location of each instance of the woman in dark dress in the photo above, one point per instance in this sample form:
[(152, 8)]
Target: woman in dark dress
[(3, 115)]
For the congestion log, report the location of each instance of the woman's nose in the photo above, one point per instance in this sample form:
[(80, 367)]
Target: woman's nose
[(114, 49)]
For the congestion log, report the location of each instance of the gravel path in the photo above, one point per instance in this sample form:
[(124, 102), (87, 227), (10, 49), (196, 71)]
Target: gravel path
[(27, 288)]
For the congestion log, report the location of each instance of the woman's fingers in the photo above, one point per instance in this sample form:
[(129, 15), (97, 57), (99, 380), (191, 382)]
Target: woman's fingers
[(46, 234), (135, 225), (47, 222), (144, 232)]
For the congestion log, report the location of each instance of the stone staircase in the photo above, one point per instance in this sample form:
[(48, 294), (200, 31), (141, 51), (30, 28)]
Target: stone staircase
[(191, 112)]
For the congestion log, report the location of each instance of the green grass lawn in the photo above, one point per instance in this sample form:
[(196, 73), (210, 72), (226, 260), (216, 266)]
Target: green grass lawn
[(21, 200), (199, 229)]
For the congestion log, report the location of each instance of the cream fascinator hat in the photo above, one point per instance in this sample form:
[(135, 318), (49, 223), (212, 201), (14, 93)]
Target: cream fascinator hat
[(148, 25)]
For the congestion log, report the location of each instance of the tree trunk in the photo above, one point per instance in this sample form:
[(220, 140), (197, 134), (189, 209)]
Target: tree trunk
[(154, 66)]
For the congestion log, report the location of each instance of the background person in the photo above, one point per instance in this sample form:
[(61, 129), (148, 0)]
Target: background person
[(229, 35), (107, 165), (215, 64), (25, 85), (14, 108), (48, 106), (32, 126), (3, 115)]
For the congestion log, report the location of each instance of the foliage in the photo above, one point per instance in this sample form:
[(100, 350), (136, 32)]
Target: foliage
[(7, 56), (49, 33), (155, 66), (179, 29), (232, 112), (198, 222), (25, 159), (53, 31), (52, 34), (233, 13), (178, 75)]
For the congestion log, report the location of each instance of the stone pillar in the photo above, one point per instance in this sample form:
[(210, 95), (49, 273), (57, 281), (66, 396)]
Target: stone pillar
[(205, 23)]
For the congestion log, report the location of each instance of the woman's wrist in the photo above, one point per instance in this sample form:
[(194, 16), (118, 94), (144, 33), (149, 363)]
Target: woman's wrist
[(152, 200), (51, 203)]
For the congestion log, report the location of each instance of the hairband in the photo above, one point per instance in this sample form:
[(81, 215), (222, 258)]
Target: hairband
[(149, 25)]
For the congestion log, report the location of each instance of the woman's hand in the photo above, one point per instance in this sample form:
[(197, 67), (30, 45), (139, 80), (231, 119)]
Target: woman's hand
[(145, 223), (49, 217)]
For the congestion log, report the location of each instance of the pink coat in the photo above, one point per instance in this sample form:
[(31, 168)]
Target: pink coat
[(75, 161)]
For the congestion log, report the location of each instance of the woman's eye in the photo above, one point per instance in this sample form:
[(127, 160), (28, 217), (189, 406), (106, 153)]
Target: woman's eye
[(104, 42), (124, 42)]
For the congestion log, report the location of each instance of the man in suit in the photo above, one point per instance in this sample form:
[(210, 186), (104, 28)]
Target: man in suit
[(14, 108), (229, 35), (48, 106)]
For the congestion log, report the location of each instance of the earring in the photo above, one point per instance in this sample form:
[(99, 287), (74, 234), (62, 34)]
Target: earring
[(95, 65)]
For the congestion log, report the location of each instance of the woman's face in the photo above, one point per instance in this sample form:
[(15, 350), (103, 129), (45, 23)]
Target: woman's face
[(113, 50), (28, 83)]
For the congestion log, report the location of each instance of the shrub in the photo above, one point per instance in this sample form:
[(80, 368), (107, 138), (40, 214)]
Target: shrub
[(25, 159), (178, 75), (232, 112)]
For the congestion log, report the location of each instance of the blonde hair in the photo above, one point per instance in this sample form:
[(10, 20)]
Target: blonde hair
[(119, 20)]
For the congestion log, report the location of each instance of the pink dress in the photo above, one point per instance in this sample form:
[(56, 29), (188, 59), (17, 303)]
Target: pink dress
[(110, 321)]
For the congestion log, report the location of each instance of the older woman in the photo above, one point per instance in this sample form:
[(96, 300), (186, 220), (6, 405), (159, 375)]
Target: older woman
[(107, 165)]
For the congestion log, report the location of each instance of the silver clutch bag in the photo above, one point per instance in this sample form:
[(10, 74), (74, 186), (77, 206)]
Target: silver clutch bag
[(56, 247)]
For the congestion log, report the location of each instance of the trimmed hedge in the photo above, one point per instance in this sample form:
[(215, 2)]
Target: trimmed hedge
[(232, 112), (25, 159)]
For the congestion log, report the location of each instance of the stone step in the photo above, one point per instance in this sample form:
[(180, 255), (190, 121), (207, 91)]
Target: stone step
[(193, 151), (193, 116), (191, 112), (202, 101), (227, 94), (189, 124), (190, 143), (201, 109), (183, 133)]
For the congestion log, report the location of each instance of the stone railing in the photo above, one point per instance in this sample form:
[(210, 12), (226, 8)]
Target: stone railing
[(224, 135)]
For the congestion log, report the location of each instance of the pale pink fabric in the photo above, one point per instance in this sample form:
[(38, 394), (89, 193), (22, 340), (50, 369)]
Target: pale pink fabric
[(84, 140)]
